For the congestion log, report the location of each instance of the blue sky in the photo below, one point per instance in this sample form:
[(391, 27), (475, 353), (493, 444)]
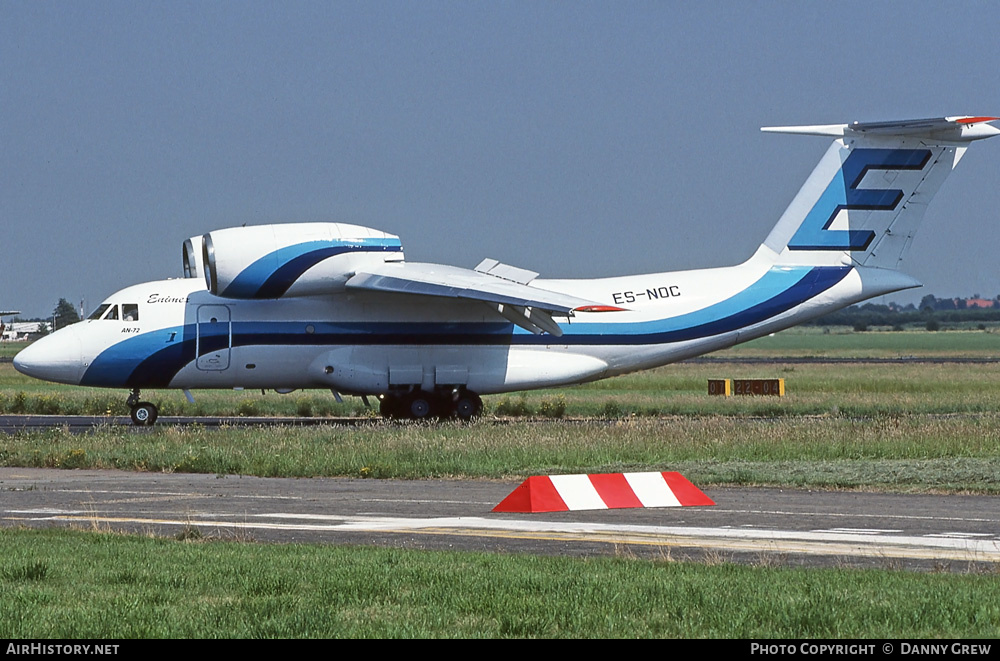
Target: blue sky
[(575, 139)]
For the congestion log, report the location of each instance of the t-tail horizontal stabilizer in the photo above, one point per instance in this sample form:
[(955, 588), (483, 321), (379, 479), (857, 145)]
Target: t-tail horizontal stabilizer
[(950, 129)]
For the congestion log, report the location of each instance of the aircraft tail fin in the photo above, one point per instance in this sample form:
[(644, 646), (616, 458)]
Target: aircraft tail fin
[(863, 202)]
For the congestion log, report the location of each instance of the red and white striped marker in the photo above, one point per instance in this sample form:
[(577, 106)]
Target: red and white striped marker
[(564, 493)]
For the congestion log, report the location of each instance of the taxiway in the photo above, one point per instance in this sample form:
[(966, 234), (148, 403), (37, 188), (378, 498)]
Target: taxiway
[(764, 526)]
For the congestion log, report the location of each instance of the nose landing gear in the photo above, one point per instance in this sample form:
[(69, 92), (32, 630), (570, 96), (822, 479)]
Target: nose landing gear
[(143, 414)]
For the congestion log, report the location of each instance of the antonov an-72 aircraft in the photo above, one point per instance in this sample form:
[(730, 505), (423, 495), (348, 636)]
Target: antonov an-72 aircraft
[(335, 306)]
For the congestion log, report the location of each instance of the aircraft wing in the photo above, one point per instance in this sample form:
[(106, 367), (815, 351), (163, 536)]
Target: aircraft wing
[(504, 287)]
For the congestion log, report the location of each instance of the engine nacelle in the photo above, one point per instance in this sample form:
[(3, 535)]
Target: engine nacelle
[(192, 258), (301, 259)]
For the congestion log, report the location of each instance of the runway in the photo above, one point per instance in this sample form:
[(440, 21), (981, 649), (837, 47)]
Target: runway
[(759, 526)]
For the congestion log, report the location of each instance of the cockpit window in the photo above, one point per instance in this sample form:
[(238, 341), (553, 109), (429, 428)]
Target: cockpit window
[(109, 311), (99, 312)]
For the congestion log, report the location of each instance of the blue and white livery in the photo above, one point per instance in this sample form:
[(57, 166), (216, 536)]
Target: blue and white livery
[(336, 306)]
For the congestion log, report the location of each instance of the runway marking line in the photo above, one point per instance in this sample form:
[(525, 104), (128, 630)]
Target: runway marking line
[(855, 515), (731, 539)]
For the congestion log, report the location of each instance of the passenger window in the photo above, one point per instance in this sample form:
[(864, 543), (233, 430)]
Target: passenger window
[(130, 312), (99, 312), (112, 313)]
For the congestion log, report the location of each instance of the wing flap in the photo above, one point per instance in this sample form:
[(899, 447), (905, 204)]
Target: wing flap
[(533, 319), (529, 307)]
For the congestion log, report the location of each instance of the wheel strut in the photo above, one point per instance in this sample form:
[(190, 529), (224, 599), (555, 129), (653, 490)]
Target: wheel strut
[(133, 398)]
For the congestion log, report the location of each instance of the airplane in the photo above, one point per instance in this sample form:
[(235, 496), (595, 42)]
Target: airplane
[(336, 306)]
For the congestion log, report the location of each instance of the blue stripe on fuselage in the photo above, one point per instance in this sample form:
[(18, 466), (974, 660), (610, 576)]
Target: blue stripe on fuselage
[(272, 275), (779, 290), (151, 360)]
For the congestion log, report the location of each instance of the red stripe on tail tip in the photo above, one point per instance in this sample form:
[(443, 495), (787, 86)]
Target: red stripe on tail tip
[(976, 120)]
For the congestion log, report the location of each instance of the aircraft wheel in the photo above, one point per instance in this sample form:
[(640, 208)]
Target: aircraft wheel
[(468, 406), (418, 406), (144, 414)]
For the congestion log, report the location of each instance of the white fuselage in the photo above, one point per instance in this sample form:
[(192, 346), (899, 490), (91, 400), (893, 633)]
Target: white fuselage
[(371, 342)]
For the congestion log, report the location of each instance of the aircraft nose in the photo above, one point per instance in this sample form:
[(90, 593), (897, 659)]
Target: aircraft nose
[(56, 357)]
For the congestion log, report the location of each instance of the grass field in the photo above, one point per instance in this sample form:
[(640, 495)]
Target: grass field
[(842, 342), (888, 426), (70, 584), (912, 453)]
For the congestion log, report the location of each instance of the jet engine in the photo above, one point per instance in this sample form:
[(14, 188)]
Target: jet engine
[(275, 261), (192, 258)]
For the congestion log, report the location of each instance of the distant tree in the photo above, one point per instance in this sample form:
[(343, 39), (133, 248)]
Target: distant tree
[(64, 314), (928, 302)]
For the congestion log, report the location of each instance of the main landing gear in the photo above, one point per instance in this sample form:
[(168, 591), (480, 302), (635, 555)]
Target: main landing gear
[(143, 413), (420, 404)]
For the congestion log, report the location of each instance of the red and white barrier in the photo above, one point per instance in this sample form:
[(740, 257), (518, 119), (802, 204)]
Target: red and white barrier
[(563, 493)]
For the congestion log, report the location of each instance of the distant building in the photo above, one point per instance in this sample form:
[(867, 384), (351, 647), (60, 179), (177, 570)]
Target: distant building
[(23, 331), (983, 303)]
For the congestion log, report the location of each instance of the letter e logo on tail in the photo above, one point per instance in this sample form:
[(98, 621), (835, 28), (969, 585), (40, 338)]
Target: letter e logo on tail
[(843, 194)]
